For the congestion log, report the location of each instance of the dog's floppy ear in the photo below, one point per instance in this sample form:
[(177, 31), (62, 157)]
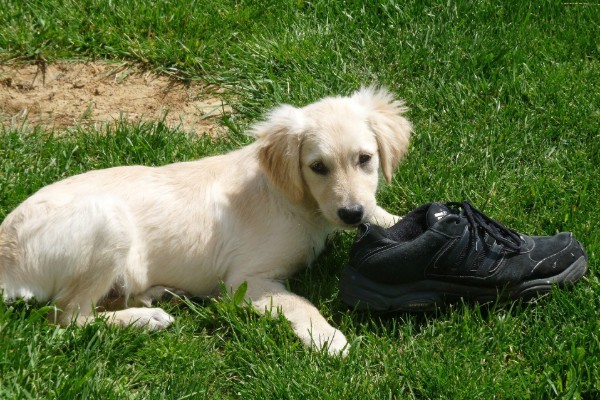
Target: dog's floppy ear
[(391, 129), (280, 138)]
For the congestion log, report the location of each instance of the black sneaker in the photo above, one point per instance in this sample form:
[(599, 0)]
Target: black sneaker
[(440, 253)]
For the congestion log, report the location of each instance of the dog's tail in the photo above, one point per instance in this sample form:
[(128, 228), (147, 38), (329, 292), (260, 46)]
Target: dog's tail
[(3, 260), (8, 258)]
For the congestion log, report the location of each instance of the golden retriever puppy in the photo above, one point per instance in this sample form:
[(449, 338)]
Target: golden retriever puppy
[(253, 215)]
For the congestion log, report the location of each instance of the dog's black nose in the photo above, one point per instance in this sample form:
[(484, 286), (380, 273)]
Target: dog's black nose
[(351, 215)]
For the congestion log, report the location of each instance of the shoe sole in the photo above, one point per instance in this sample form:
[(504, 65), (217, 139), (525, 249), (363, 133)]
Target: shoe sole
[(427, 295)]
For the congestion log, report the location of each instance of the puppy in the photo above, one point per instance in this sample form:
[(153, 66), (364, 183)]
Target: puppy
[(254, 215)]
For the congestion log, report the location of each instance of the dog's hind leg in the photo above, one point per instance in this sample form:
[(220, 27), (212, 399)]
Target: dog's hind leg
[(77, 304), (74, 254), (117, 263), (109, 267)]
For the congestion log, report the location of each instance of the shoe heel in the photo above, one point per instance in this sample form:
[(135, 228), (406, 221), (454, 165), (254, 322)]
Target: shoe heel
[(361, 293), (354, 293)]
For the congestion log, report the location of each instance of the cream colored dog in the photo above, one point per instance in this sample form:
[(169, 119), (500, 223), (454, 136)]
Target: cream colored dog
[(253, 215)]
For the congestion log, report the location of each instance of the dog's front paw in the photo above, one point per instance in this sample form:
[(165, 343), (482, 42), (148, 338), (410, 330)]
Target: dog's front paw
[(337, 344), (391, 221), (384, 218), (331, 340)]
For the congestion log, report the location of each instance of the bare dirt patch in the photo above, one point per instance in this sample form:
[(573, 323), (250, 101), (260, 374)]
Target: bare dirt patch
[(65, 95)]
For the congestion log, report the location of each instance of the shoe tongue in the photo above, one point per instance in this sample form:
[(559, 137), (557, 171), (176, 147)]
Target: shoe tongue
[(436, 212)]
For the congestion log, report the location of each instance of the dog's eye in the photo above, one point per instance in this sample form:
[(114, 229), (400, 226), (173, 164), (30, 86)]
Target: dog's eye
[(364, 159), (319, 168)]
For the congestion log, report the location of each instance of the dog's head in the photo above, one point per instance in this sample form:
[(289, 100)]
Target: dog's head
[(328, 154)]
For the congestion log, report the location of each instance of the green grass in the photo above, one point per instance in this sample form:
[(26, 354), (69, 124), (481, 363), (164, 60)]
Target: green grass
[(505, 101)]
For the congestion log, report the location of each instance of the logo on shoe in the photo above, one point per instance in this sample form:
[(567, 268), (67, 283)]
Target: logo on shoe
[(440, 215)]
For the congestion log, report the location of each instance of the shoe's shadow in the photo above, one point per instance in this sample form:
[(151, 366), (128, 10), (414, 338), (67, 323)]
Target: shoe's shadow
[(399, 324)]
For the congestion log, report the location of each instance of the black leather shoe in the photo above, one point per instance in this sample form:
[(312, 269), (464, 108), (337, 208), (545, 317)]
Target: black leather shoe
[(440, 253)]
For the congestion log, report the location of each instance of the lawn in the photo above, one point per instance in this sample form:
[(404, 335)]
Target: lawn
[(505, 101)]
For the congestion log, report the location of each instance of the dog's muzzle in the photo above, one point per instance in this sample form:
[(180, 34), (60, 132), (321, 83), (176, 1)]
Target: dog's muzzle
[(351, 215)]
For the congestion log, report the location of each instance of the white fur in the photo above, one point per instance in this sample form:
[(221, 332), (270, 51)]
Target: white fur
[(253, 215)]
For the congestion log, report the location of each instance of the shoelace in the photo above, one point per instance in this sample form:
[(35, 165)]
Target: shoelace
[(480, 221)]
